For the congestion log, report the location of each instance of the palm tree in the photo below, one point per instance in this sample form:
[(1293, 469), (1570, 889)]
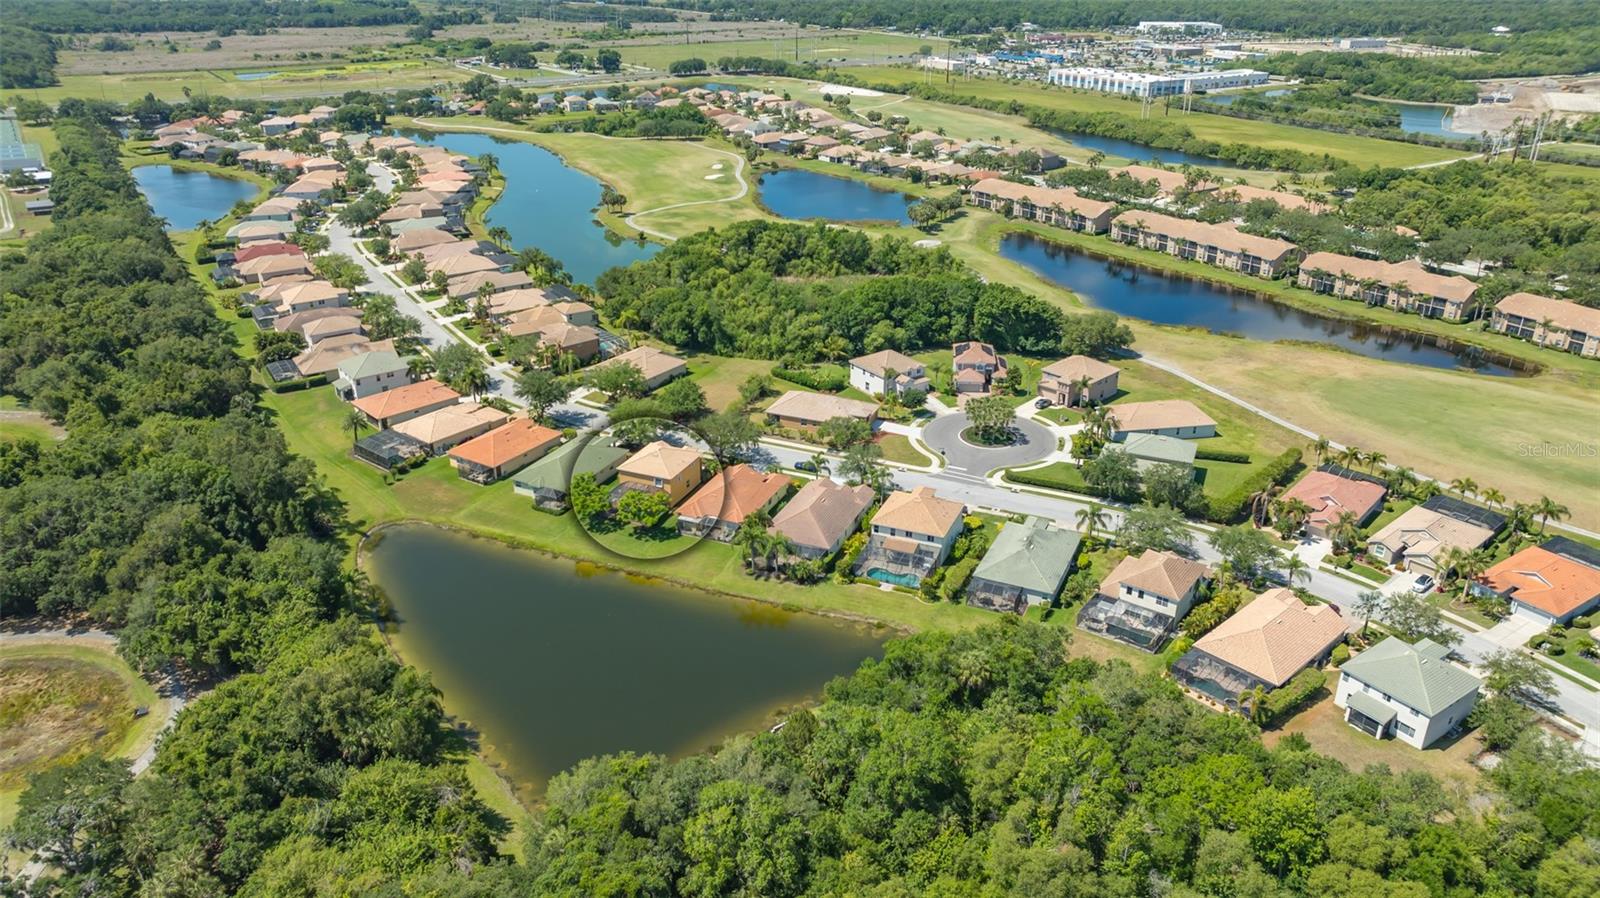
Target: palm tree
[(1091, 517), (500, 236), (751, 537), (1261, 503), (419, 366), (819, 461), (1401, 480), (1295, 568), (1466, 486), (1348, 458), (1520, 517), (1256, 700), (1321, 447), (1345, 529), (489, 162), (1494, 497), (1547, 508), (1080, 389), (1375, 459), (972, 672), (355, 421)]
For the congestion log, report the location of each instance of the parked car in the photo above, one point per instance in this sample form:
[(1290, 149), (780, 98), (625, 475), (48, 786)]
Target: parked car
[(808, 466), (1041, 402), (1422, 585)]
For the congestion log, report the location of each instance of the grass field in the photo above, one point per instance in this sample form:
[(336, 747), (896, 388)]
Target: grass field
[(289, 82), (1323, 726), (833, 46)]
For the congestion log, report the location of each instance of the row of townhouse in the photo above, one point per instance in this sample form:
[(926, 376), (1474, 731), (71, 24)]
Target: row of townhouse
[(1062, 207), (1222, 245), (1551, 323), (1402, 286)]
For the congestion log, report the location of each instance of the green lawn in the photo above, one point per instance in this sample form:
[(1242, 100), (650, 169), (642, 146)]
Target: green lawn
[(811, 46), (897, 448), (291, 81)]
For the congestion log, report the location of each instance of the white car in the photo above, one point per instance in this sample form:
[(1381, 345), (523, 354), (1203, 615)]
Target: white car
[(1422, 585)]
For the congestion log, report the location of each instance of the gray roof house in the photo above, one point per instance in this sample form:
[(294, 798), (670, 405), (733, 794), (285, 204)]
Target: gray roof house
[(1410, 692), (1151, 449), (369, 373), (1025, 565), (547, 479)]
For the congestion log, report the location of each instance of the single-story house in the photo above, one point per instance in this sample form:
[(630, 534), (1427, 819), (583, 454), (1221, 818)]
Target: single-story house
[(415, 241), (911, 535), (317, 330), (266, 268), (1330, 495), (387, 448), (1025, 565), (1554, 323), (821, 515), (1143, 598), (441, 429), (1421, 538), (467, 286), (1411, 692), (403, 403), (1167, 417), (1262, 644), (1550, 583), (662, 467), (802, 410), (1151, 449), (1078, 379), (547, 479), (266, 248), (505, 450), (656, 366), (869, 373), (722, 503)]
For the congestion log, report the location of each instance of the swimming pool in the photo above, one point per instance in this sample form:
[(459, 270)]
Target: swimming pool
[(883, 576)]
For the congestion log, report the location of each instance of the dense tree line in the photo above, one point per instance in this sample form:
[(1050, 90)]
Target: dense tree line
[(781, 291), (141, 16), (27, 57)]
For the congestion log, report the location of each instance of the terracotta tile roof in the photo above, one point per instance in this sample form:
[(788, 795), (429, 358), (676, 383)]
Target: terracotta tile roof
[(1159, 414), (1283, 198), (1564, 315), (326, 356), (822, 513), (818, 407), (651, 362), (1224, 236), (404, 399), (878, 362), (919, 511), (660, 459), (1074, 367), (422, 238), (463, 263), (1167, 180), (735, 494), (1552, 583), (1417, 279), (1274, 636), (329, 325), (506, 443), (265, 267), (1162, 573), (1043, 197), (1329, 495), (972, 352), (450, 422)]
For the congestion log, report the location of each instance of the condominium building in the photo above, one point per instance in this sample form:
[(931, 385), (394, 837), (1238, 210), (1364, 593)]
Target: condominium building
[(1402, 286), (1222, 245)]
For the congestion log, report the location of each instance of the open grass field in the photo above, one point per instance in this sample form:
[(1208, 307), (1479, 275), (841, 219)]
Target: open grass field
[(1360, 150), (61, 701), (288, 82), (1323, 726), (804, 45)]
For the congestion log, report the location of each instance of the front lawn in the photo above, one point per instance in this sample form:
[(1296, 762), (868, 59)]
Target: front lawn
[(897, 448)]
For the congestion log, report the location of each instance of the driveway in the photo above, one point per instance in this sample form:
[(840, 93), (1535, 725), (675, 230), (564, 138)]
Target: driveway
[(1514, 632), (1034, 443)]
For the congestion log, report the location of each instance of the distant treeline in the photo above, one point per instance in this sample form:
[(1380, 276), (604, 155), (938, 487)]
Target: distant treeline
[(27, 57), (206, 15)]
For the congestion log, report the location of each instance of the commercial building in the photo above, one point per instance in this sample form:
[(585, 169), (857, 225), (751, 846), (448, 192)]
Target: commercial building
[(1144, 84)]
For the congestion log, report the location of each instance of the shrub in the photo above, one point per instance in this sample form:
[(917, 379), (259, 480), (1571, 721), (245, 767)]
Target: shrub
[(304, 383), (1341, 654), (828, 378), (1301, 687), (1242, 458), (1230, 507), (1071, 484)]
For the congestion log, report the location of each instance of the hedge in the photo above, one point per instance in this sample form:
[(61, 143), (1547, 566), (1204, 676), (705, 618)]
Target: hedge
[(1242, 458), (1230, 507), (830, 379), (1301, 687), (304, 383), (1056, 482)]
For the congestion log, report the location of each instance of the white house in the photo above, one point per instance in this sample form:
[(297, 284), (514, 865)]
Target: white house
[(869, 373), (370, 373), (1410, 692), (1141, 601)]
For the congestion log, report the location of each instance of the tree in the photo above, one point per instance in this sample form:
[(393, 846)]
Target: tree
[(1090, 518), (643, 508), (618, 380), (73, 814), (753, 389), (990, 418), (1411, 618), (682, 400), (609, 60), (1097, 334), (541, 390), (460, 367), (383, 319), (1518, 676), (611, 199), (1148, 527), (1114, 473), (355, 421), (587, 498), (1173, 486), (730, 434), (1251, 553), (842, 433), (340, 270), (1547, 508), (862, 464), (1368, 604), (415, 271)]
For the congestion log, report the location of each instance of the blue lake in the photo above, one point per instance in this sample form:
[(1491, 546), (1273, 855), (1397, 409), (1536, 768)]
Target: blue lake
[(186, 198), (1435, 120), (799, 194), (1139, 292), (1136, 152), (254, 76), (548, 205)]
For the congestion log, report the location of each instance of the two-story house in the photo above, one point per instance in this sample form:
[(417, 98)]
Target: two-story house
[(885, 371), (1410, 692), (1141, 601), (910, 536), (369, 373), (661, 467), (1078, 380)]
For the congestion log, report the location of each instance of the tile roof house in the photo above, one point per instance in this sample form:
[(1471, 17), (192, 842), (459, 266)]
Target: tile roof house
[(721, 504), (1167, 181), (390, 407), (663, 467), (1330, 496), (657, 366), (503, 451), (440, 430), (1244, 193), (976, 366), (910, 536), (868, 373), (1262, 644), (467, 286), (1403, 286), (265, 268), (1141, 601), (1078, 379), (803, 410), (1421, 537), (1551, 584), (1062, 207), (1222, 245), (821, 515), (1167, 417), (1025, 565), (418, 240), (1409, 691), (376, 371), (325, 357), (1549, 322), (320, 329)]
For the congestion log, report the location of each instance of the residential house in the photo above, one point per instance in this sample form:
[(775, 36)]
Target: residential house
[(604, 105), (661, 467), (1330, 495), (656, 366), (363, 375), (804, 411), (1262, 645), (403, 403), (1078, 380), (1167, 417), (574, 103), (460, 264), (315, 331), (503, 451), (278, 124), (574, 339), (547, 480), (266, 268), (278, 208), (1552, 323), (387, 448), (1151, 449), (821, 516), (1550, 583), (1402, 286), (910, 536), (441, 429), (1062, 207), (1410, 692), (325, 357), (265, 248), (1421, 538), (646, 100), (246, 232), (295, 321), (467, 286), (1025, 565), (720, 506), (1141, 601), (871, 373), (977, 366), (1222, 245), (1244, 193), (415, 241)]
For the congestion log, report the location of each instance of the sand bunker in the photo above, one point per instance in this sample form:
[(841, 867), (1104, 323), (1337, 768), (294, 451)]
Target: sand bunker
[(712, 177), (848, 91)]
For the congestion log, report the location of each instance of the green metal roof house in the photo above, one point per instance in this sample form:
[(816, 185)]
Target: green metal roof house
[(546, 480), (1411, 692), (1151, 449), (1026, 565)]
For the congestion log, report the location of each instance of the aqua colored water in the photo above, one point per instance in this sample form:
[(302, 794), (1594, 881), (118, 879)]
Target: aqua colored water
[(254, 76), (548, 205), (799, 194), (186, 198), (553, 661), (883, 576), (1151, 295)]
